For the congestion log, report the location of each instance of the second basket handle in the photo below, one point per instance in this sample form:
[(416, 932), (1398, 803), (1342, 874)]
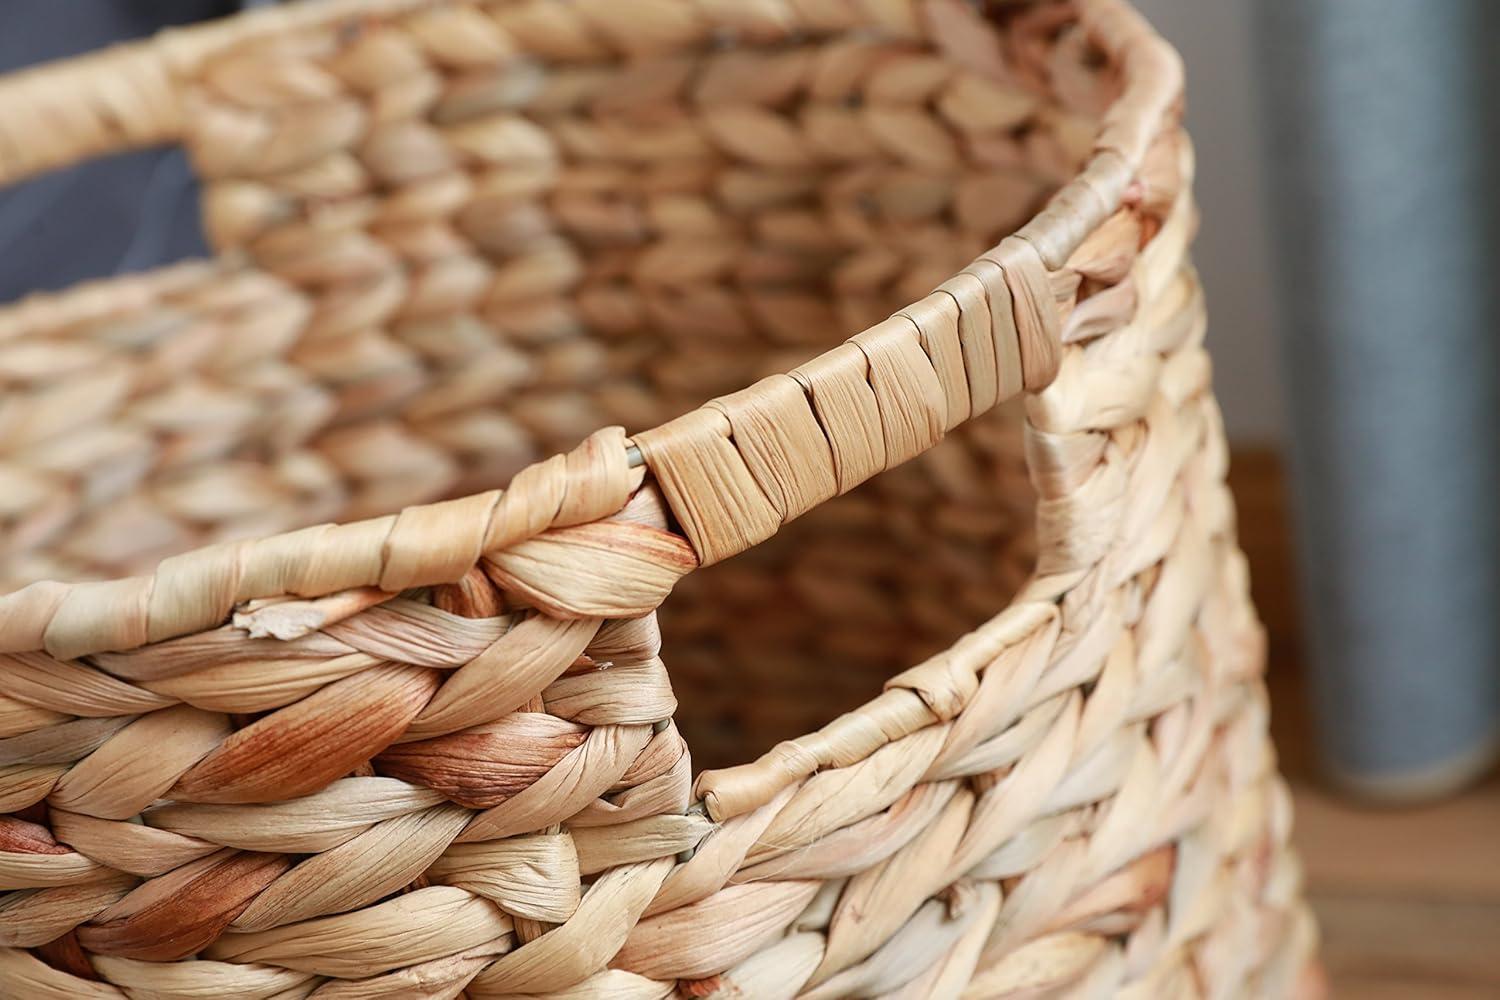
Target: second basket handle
[(129, 96)]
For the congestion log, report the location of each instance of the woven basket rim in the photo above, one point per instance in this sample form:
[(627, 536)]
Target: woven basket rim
[(190, 592)]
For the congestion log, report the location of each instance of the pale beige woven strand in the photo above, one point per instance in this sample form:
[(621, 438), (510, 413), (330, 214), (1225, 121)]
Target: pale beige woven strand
[(433, 753)]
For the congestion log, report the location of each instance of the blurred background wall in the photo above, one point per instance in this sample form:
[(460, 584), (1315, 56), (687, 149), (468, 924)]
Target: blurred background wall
[(1217, 42)]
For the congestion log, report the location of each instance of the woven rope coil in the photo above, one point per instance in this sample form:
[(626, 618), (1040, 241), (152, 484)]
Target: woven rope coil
[(436, 753)]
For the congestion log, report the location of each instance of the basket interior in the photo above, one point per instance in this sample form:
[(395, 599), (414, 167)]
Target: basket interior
[(412, 306)]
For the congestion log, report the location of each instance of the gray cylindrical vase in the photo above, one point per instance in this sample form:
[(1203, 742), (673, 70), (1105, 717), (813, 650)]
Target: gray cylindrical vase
[(1384, 167)]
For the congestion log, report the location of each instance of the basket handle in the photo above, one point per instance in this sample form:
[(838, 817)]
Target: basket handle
[(130, 96), (714, 472)]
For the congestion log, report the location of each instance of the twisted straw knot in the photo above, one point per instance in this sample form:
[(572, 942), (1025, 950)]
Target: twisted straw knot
[(545, 536)]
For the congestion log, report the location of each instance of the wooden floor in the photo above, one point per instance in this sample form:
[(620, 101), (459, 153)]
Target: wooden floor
[(1408, 900)]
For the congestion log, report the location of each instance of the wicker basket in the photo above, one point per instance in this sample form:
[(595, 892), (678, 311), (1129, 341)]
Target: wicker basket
[(433, 753)]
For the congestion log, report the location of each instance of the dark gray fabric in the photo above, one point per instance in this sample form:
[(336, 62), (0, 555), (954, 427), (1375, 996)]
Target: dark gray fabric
[(123, 213), (1382, 125)]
